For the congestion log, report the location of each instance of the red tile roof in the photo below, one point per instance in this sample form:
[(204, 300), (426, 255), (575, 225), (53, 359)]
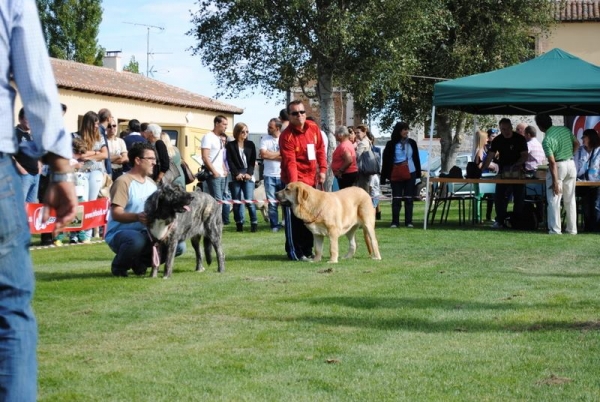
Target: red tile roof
[(578, 10), (106, 81)]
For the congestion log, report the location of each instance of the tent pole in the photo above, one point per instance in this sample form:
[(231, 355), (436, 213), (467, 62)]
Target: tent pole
[(427, 198)]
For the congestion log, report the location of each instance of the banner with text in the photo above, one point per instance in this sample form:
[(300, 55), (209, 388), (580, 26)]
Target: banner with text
[(88, 215)]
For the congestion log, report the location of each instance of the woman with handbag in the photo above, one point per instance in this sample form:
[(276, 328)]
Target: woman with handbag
[(241, 158), (401, 165)]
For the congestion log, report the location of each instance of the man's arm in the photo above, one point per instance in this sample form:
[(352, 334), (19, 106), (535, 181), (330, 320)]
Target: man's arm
[(34, 78), (270, 155), (120, 215), (554, 173), (488, 159), (321, 158), (288, 157)]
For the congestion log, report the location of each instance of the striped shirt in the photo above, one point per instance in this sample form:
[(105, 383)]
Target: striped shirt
[(558, 142), (23, 53), (535, 156)]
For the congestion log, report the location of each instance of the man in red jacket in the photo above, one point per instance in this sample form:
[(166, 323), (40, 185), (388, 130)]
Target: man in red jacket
[(302, 151)]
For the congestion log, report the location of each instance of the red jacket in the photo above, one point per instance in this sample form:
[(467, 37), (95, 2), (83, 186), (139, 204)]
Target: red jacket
[(293, 147)]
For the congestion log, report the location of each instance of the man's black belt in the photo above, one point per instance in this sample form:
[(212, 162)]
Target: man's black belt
[(564, 160)]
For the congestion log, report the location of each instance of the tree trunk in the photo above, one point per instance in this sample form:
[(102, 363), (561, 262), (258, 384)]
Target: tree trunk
[(449, 144), (325, 93)]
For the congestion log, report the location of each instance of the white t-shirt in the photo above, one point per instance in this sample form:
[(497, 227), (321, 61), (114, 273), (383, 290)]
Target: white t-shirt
[(272, 168), (213, 142), (117, 146)]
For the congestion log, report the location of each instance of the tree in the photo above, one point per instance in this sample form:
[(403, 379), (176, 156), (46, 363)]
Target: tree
[(71, 29), (459, 38), (272, 45), (133, 66)]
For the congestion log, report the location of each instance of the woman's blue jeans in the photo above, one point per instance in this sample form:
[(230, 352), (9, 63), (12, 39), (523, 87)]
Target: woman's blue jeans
[(18, 328), (243, 190)]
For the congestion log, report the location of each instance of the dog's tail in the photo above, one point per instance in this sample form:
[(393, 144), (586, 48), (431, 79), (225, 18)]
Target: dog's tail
[(207, 250)]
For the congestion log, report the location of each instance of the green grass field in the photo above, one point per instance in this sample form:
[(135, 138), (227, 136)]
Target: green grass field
[(449, 314)]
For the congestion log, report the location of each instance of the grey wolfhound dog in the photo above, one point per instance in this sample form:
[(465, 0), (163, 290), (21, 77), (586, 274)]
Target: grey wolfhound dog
[(174, 215)]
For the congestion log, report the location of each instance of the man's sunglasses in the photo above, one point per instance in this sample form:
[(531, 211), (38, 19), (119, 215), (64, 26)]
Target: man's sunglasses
[(298, 113), (112, 125)]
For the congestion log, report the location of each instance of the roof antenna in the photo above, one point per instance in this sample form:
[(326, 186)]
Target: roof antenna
[(147, 41)]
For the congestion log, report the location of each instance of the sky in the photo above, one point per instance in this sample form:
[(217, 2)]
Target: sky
[(172, 63)]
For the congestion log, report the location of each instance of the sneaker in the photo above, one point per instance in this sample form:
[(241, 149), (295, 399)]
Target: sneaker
[(410, 225), (85, 241), (393, 225), (73, 240), (305, 259), (57, 243), (275, 230), (497, 225)]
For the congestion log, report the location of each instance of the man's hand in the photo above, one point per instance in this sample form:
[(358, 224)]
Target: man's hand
[(142, 218), (321, 178), (556, 187), (61, 197)]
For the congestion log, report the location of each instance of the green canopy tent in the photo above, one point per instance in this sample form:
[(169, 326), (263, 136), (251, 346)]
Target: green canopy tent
[(555, 83)]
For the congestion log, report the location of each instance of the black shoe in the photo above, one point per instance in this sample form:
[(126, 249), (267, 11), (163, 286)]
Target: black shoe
[(118, 272), (378, 215), (139, 270), (239, 227), (253, 227)]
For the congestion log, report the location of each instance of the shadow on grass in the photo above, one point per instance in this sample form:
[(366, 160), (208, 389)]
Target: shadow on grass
[(66, 276), (448, 325), (367, 318), (257, 257)]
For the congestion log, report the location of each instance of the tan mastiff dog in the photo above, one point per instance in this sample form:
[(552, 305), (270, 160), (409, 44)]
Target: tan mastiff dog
[(333, 215)]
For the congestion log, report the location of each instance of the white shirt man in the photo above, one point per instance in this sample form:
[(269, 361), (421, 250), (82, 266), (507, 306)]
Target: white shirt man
[(269, 152), (212, 157)]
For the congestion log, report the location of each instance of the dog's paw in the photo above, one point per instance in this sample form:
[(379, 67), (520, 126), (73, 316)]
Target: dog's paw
[(332, 262), (378, 258), (201, 269)]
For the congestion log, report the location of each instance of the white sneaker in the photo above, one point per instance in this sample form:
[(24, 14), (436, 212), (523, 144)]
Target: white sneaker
[(410, 225), (393, 225), (497, 225)]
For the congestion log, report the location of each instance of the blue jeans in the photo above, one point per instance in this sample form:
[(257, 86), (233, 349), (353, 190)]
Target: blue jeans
[(18, 328), (272, 185), (133, 249), (501, 198), (92, 183), (403, 191), (243, 190), (217, 186), (30, 183)]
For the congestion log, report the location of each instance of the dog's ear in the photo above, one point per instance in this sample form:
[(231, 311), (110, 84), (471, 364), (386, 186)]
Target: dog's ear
[(301, 194)]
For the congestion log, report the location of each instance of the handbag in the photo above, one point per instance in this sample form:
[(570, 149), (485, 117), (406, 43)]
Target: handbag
[(187, 173), (204, 173), (400, 172)]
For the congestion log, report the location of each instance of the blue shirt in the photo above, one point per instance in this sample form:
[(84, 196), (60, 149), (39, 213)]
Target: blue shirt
[(23, 53)]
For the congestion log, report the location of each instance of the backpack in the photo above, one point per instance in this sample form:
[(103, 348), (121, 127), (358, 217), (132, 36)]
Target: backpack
[(527, 220), (473, 171), (368, 162)]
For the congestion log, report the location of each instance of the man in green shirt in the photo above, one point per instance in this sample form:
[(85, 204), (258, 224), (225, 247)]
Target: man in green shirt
[(559, 146)]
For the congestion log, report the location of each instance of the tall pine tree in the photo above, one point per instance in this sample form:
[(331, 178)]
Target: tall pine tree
[(71, 29)]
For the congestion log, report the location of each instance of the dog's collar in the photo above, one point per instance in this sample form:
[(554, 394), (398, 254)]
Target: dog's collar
[(315, 219)]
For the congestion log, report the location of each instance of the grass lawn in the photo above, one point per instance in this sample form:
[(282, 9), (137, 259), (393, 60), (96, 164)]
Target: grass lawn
[(450, 314)]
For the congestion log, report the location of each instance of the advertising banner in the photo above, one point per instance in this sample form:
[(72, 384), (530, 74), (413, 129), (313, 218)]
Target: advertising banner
[(89, 215)]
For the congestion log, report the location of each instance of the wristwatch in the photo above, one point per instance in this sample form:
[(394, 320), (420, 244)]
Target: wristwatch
[(62, 177)]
